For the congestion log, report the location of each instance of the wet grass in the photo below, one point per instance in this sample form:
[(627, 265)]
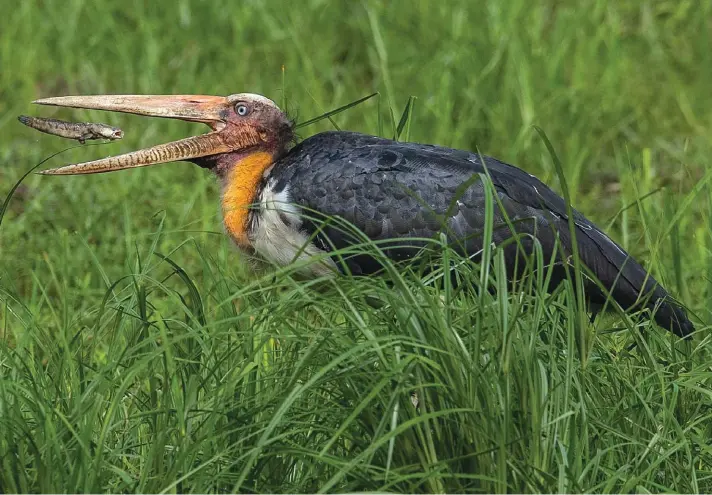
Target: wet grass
[(139, 353)]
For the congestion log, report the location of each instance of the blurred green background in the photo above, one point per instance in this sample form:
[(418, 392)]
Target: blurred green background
[(623, 90)]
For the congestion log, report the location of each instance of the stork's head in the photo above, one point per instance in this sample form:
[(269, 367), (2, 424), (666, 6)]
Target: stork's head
[(242, 124)]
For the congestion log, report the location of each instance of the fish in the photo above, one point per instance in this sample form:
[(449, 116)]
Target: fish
[(81, 131)]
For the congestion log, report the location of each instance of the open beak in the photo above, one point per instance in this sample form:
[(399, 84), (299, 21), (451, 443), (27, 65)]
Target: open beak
[(210, 110)]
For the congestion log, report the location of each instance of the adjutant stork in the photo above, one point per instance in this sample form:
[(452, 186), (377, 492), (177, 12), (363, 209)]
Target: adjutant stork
[(267, 184)]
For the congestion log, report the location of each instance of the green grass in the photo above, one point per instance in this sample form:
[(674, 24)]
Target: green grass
[(138, 351)]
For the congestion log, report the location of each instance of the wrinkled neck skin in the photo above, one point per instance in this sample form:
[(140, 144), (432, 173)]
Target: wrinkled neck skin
[(221, 165), (241, 174)]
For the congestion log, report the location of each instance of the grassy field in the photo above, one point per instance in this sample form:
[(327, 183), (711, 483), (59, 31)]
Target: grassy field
[(138, 353)]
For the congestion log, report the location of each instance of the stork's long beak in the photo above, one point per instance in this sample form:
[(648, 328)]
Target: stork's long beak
[(210, 110)]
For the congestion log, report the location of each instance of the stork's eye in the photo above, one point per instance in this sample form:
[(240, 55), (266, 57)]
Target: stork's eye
[(241, 109)]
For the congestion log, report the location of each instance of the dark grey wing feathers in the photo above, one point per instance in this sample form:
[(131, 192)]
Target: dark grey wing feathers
[(393, 190)]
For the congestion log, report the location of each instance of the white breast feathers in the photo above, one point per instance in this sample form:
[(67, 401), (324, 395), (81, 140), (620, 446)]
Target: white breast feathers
[(276, 235)]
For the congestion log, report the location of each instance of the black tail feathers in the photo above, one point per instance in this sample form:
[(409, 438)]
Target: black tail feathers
[(669, 315)]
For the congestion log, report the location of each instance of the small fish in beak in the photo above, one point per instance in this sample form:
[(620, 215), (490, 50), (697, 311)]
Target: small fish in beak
[(81, 131)]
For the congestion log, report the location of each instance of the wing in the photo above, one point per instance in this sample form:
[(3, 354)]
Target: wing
[(393, 190)]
